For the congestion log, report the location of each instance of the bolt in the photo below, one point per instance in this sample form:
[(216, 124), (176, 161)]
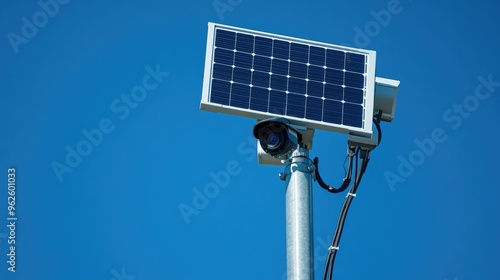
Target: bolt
[(311, 168)]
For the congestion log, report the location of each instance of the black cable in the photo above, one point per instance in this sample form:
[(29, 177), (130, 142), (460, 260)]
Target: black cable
[(376, 121), (365, 156), (347, 177), (350, 154), (332, 252)]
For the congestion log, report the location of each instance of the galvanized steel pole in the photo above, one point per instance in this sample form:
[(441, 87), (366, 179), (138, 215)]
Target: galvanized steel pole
[(299, 225)]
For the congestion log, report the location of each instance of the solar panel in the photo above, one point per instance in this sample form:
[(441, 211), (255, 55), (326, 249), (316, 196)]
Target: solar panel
[(263, 75)]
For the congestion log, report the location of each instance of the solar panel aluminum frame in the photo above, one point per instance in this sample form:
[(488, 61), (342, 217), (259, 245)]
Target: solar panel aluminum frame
[(365, 131)]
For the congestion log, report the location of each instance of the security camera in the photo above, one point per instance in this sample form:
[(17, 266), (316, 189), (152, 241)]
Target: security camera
[(276, 136)]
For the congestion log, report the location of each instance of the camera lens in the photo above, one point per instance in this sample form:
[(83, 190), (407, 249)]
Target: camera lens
[(276, 136), (273, 140)]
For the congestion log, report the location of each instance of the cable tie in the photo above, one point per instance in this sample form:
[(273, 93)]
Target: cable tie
[(351, 194), (333, 248)]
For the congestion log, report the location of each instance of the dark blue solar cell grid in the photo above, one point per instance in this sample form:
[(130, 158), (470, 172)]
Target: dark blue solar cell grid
[(242, 76), (279, 82), (240, 96), (316, 73), (280, 67), (334, 76), (299, 53), (223, 56), (243, 60), (277, 102), (263, 46), (262, 63), (259, 99), (223, 72), (288, 78), (298, 86), (314, 108), (295, 105), (245, 42), (298, 70), (317, 56), (355, 62), (316, 89), (260, 79), (336, 92), (281, 49), (225, 39), (335, 59)]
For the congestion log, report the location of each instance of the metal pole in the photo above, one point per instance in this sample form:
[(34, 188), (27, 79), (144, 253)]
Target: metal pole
[(299, 224)]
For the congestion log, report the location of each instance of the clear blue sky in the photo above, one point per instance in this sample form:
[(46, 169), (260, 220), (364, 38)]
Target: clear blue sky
[(69, 69)]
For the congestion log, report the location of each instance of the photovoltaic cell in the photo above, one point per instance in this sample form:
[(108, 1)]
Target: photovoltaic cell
[(279, 76)]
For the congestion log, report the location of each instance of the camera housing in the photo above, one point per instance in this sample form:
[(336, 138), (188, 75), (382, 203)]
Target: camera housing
[(281, 130), (276, 136)]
